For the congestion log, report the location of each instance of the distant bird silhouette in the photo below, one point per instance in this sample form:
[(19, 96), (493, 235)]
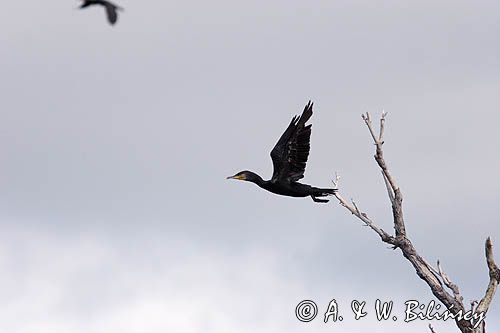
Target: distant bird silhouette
[(289, 160), (111, 8)]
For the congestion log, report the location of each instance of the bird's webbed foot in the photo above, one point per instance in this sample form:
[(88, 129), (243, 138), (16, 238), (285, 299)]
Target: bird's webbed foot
[(319, 200)]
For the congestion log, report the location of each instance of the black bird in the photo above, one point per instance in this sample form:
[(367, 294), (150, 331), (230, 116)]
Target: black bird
[(111, 8), (289, 161)]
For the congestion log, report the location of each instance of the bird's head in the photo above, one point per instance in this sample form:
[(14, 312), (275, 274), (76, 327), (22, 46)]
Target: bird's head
[(246, 175)]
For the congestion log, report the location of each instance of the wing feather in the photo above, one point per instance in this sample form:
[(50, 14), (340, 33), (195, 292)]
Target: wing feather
[(292, 149), (111, 11)]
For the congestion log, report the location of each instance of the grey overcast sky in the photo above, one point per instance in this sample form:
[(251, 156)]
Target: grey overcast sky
[(115, 143)]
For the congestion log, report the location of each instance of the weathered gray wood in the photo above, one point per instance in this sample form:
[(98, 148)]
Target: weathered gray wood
[(437, 280)]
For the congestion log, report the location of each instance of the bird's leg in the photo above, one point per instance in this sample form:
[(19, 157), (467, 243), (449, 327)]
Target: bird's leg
[(318, 200)]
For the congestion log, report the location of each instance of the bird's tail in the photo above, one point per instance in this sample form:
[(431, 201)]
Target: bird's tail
[(323, 192)]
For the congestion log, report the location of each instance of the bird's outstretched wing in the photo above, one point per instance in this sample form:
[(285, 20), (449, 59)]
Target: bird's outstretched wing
[(292, 150), (111, 11)]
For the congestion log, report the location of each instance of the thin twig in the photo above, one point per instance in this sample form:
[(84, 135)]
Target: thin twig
[(364, 218), (379, 156), (433, 270), (389, 189), (453, 287), (366, 117), (382, 123), (473, 304), (355, 207), (336, 182)]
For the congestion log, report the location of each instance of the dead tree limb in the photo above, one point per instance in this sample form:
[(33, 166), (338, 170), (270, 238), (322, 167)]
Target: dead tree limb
[(438, 281)]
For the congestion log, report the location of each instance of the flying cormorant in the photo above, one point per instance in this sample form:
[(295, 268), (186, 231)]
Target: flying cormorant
[(111, 8), (289, 161)]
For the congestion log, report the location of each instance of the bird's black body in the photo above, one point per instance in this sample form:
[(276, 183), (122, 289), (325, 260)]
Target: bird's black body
[(111, 8), (289, 160)]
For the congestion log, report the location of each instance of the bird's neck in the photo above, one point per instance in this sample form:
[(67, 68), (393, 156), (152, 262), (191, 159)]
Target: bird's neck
[(256, 179)]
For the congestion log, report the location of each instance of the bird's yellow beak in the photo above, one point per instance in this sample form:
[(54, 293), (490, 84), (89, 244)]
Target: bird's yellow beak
[(238, 177)]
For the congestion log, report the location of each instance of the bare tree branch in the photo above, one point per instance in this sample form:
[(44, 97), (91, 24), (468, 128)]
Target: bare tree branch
[(435, 278), (494, 273), (397, 201), (449, 284), (363, 217), (432, 269), (473, 305), (390, 192)]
